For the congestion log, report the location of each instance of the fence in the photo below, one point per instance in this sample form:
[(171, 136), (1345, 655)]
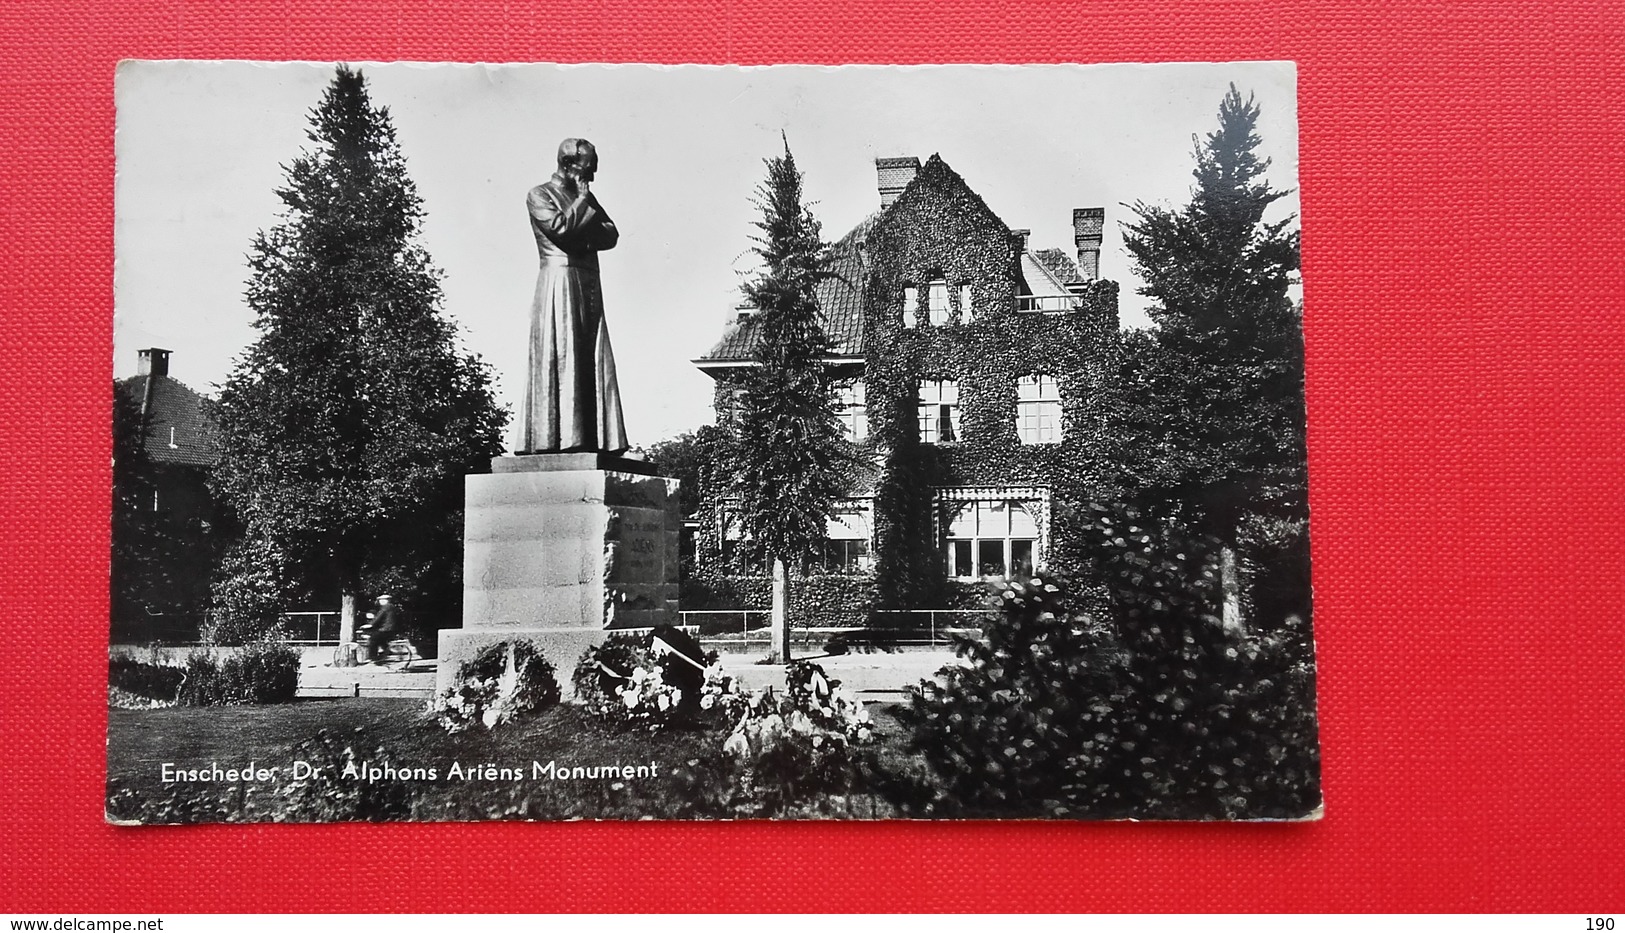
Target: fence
[(311, 628), (930, 627)]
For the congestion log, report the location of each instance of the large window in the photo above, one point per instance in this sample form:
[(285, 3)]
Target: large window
[(1038, 410), (854, 416), (992, 538), (939, 411), (936, 302)]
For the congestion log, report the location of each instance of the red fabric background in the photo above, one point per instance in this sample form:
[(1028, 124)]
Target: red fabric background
[(1463, 175)]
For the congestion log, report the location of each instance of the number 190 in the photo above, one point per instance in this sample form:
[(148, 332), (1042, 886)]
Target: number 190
[(1599, 923)]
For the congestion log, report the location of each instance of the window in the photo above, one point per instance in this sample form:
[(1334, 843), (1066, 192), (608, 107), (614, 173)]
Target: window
[(965, 314), (939, 411), (936, 301), (847, 535), (849, 555), (854, 416), (992, 538), (1038, 410), (911, 305)]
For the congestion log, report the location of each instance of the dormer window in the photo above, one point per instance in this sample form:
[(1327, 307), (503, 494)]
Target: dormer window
[(936, 300)]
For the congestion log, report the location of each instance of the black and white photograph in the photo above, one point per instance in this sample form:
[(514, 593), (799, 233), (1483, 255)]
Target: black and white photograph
[(552, 442)]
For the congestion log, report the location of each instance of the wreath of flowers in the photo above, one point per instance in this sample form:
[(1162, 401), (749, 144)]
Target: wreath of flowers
[(502, 682)]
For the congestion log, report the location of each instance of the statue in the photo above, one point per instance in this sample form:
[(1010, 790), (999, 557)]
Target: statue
[(572, 399)]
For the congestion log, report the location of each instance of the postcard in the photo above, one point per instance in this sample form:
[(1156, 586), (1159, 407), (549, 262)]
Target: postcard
[(542, 442)]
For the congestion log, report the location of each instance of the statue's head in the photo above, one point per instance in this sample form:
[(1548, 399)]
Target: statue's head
[(579, 158)]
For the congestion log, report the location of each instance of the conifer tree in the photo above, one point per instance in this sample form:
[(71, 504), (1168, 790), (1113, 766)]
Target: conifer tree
[(1214, 415), (347, 427), (792, 462)]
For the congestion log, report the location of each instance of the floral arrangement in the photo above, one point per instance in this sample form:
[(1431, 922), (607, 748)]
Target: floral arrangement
[(799, 743), (503, 682), (633, 683)]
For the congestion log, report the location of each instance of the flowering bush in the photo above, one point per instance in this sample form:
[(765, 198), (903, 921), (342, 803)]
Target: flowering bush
[(504, 681), (627, 684), (789, 747)]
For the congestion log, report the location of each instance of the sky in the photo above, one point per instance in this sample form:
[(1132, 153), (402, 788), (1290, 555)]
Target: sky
[(202, 146)]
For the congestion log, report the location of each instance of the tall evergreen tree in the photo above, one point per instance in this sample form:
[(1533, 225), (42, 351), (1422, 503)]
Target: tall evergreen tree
[(793, 461), (347, 427), (1214, 407)]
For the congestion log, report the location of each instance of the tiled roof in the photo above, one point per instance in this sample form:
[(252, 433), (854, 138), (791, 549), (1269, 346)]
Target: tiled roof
[(840, 303), (174, 411), (1040, 280)]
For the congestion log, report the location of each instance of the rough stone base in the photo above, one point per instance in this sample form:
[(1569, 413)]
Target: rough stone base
[(561, 646)]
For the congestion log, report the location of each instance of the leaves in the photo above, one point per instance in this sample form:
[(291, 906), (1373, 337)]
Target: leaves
[(1211, 409), (792, 461), (346, 428)]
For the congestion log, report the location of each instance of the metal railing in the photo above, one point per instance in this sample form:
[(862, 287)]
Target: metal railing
[(931, 627), (1046, 303), (311, 628)]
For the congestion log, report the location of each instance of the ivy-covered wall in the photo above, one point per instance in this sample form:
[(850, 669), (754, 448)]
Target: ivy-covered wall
[(818, 600), (939, 228)]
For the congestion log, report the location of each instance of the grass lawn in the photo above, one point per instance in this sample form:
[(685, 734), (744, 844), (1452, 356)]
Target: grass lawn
[(683, 764)]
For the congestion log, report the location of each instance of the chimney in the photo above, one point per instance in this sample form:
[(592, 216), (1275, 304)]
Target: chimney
[(895, 173), (154, 362), (1019, 237), (1088, 227)]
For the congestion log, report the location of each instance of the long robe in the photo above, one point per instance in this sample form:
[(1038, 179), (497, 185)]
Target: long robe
[(572, 398)]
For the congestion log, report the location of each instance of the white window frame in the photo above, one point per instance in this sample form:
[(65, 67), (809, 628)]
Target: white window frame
[(911, 306), (854, 410), (1038, 409), (936, 302), (966, 315), (938, 400), (1007, 542)]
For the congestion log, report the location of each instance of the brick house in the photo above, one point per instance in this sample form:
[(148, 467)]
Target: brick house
[(975, 372)]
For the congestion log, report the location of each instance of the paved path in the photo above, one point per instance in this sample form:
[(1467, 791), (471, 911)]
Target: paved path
[(368, 680), (873, 676)]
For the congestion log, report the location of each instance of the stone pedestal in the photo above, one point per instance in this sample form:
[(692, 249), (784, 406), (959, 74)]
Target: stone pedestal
[(561, 549)]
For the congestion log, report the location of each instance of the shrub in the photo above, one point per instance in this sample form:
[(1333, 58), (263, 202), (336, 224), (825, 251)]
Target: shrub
[(152, 681), (1155, 712), (502, 682), (262, 671), (1036, 707)]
